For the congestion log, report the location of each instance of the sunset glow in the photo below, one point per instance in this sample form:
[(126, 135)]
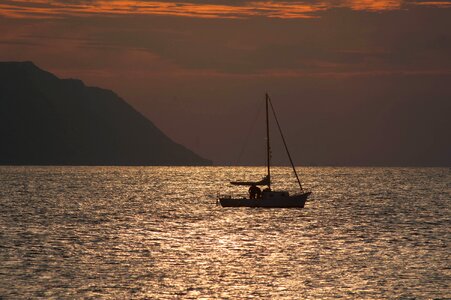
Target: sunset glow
[(373, 5), (435, 3), (348, 71), (50, 9), (270, 9)]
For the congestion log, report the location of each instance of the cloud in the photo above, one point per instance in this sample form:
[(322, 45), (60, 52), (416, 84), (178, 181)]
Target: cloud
[(372, 5), (196, 9), (444, 4), (335, 45), (52, 9)]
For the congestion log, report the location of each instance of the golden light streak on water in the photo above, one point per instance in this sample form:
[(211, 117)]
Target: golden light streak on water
[(156, 232)]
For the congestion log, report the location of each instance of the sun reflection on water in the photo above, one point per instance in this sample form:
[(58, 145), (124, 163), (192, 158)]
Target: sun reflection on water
[(157, 232)]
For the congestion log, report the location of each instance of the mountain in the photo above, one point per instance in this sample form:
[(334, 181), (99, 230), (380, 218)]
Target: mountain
[(45, 120)]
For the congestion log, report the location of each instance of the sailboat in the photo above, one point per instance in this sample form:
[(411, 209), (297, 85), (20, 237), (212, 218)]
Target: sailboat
[(268, 197)]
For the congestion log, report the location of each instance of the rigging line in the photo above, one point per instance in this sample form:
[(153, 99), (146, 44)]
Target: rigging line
[(285, 144), (268, 144), (249, 132)]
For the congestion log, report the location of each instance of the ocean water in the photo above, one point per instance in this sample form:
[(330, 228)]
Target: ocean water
[(157, 233)]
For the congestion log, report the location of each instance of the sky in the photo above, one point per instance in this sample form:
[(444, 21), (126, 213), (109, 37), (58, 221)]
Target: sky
[(354, 82)]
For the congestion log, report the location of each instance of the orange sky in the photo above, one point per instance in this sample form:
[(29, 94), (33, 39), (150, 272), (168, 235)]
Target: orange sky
[(364, 78), (271, 9)]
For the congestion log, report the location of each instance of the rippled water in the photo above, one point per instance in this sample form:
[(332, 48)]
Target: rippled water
[(157, 233)]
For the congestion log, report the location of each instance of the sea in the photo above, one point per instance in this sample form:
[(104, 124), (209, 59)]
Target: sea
[(158, 233)]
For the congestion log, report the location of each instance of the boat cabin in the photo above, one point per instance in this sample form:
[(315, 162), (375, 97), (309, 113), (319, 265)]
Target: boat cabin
[(272, 194)]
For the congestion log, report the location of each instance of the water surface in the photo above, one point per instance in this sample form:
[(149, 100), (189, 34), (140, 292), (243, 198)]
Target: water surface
[(156, 232)]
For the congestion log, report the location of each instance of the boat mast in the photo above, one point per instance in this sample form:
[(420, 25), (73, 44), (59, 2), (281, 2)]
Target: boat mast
[(268, 147), (283, 139)]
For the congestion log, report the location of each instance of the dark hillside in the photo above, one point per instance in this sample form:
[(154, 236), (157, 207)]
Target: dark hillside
[(45, 120)]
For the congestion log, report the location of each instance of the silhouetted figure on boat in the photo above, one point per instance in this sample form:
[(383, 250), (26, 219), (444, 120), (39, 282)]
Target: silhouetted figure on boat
[(254, 192)]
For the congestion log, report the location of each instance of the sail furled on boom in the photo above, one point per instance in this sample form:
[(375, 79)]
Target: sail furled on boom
[(264, 181)]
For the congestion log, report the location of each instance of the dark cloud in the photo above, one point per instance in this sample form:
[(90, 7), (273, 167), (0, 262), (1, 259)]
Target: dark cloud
[(335, 43)]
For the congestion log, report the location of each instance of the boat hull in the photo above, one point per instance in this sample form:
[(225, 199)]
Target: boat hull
[(276, 201)]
